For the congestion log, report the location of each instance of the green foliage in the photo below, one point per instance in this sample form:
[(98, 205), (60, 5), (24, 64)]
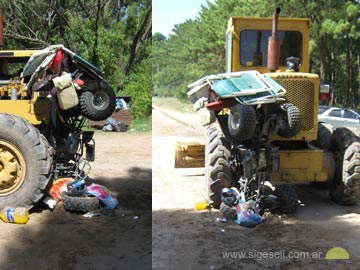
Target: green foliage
[(138, 85), (197, 47), (141, 124)]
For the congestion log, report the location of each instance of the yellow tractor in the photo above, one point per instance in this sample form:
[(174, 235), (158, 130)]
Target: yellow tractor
[(262, 124), (45, 98)]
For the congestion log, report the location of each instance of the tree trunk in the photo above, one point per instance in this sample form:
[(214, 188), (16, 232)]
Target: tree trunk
[(323, 62)]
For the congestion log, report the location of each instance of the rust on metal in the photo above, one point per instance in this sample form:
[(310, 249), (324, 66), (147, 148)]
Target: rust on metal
[(273, 62)]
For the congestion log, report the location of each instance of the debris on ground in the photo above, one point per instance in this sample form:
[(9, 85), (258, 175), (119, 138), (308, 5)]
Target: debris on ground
[(59, 186), (222, 220), (112, 125), (248, 213), (91, 214), (235, 207), (202, 205), (77, 197), (107, 200), (50, 202), (18, 215)]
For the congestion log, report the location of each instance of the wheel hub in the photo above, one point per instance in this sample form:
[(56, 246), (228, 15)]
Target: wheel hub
[(99, 100), (235, 121), (12, 168)]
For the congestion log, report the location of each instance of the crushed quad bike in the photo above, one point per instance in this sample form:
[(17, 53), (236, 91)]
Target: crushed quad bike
[(45, 98), (261, 121)]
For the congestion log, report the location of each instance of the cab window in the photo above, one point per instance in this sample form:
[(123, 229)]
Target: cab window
[(254, 46)]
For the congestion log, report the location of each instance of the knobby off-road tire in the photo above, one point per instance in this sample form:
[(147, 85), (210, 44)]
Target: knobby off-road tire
[(287, 198), (242, 122), (292, 123), (217, 166), (97, 101), (80, 204), (325, 132), (345, 187), (25, 162)]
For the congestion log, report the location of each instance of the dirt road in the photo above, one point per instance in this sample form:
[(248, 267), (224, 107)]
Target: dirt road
[(187, 239), (115, 240)]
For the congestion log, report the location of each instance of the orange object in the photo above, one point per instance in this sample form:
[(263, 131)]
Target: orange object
[(57, 185)]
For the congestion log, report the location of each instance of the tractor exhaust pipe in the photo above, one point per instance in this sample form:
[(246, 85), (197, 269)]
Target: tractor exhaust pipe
[(1, 28), (273, 61)]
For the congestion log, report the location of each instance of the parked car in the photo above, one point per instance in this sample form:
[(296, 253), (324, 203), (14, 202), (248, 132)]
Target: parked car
[(339, 117)]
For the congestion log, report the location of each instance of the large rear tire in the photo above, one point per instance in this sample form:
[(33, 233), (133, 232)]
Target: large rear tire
[(323, 140), (217, 166), (25, 162), (345, 187), (325, 132)]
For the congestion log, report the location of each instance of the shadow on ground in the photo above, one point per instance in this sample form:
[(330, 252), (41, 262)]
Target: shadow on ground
[(187, 239), (118, 239), (184, 239)]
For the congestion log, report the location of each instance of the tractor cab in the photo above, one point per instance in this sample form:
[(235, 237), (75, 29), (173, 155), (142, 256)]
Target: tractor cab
[(247, 44)]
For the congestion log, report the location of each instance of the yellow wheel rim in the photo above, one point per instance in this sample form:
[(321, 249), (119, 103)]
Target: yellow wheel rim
[(12, 168)]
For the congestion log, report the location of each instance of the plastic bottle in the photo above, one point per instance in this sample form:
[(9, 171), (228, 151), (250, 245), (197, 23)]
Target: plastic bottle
[(202, 205), (18, 215)]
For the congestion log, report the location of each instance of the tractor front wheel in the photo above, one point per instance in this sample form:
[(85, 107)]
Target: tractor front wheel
[(25, 162), (217, 166)]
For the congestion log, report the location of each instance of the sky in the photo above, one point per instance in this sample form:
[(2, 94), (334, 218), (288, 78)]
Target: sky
[(167, 13)]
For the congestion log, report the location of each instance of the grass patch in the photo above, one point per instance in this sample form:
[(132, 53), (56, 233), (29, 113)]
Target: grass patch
[(173, 104), (142, 124)]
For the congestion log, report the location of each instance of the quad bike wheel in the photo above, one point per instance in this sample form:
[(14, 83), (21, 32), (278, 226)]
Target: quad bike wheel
[(217, 166), (97, 101), (80, 204), (292, 121), (287, 198), (242, 122), (25, 162), (345, 186)]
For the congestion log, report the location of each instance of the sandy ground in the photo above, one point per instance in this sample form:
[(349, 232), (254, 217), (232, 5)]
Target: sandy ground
[(187, 239), (115, 240)]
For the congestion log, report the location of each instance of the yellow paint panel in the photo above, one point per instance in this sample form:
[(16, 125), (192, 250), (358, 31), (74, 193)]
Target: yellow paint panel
[(33, 111), (17, 53), (303, 165)]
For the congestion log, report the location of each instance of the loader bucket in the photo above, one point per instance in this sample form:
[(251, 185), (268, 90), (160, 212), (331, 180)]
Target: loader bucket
[(189, 155)]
